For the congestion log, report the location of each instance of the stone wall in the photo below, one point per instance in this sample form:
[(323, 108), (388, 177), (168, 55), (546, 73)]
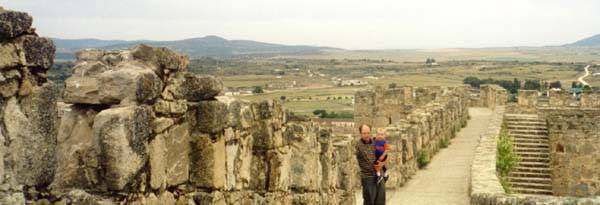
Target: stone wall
[(575, 150), (492, 95), (382, 107), (527, 99), (28, 112), (421, 128), (136, 128), (485, 185), (562, 99)]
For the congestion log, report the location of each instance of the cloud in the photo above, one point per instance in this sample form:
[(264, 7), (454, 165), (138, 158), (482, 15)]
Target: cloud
[(341, 23)]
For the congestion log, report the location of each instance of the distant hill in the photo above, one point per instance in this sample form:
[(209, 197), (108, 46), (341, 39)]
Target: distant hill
[(193, 47), (591, 41)]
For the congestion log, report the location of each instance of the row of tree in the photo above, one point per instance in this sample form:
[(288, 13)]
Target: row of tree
[(325, 114), (513, 86)]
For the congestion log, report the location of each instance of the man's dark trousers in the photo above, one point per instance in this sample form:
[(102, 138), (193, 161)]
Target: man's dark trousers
[(373, 192)]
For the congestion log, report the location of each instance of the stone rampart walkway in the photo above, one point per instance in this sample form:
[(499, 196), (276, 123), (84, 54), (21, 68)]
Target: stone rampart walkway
[(446, 179)]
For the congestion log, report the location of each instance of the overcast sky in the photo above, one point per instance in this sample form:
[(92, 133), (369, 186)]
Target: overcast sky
[(351, 24)]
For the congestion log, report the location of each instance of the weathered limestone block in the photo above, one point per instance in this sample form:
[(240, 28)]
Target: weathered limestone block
[(278, 198), (31, 150), (193, 87), (89, 55), (161, 124), (78, 151), (266, 137), (81, 90), (239, 163), (11, 56), (89, 68), (208, 158), (198, 87), (176, 107), (129, 85), (77, 196), (210, 116), (13, 23), (165, 198), (177, 143), (305, 161), (39, 52), (158, 163), (279, 169), (124, 134), (204, 198), (161, 57)]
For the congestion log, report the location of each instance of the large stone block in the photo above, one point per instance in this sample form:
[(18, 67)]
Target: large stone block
[(279, 169), (161, 57), (208, 158), (210, 116), (11, 56), (129, 85), (192, 87), (81, 90), (124, 134), (13, 23), (32, 150), (77, 153), (177, 143), (39, 52)]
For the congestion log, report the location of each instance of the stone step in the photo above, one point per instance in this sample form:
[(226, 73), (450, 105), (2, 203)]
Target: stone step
[(516, 132), (531, 191), (530, 145), (530, 185), (519, 150), (525, 123), (510, 115), (526, 127), (529, 140), (534, 154), (530, 174), (523, 120), (544, 170), (533, 180), (530, 136), (533, 164), (535, 159)]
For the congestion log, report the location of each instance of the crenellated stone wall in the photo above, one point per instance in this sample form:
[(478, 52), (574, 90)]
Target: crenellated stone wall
[(136, 128), (421, 128)]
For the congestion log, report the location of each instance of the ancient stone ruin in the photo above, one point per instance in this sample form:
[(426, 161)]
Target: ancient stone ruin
[(557, 140), (135, 127), (418, 122)]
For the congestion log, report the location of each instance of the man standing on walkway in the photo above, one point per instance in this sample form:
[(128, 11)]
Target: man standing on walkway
[(373, 192)]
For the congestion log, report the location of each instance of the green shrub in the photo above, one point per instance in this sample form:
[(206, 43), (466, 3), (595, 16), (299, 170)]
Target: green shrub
[(444, 143), (422, 159), (507, 158)]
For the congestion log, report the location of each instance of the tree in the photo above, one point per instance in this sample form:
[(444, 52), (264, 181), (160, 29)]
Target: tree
[(555, 84), (473, 81), (282, 98), (320, 113), (587, 88), (531, 85), (258, 89), (392, 85)]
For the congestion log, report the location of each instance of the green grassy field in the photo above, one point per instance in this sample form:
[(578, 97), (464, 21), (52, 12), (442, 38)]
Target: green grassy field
[(406, 67)]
